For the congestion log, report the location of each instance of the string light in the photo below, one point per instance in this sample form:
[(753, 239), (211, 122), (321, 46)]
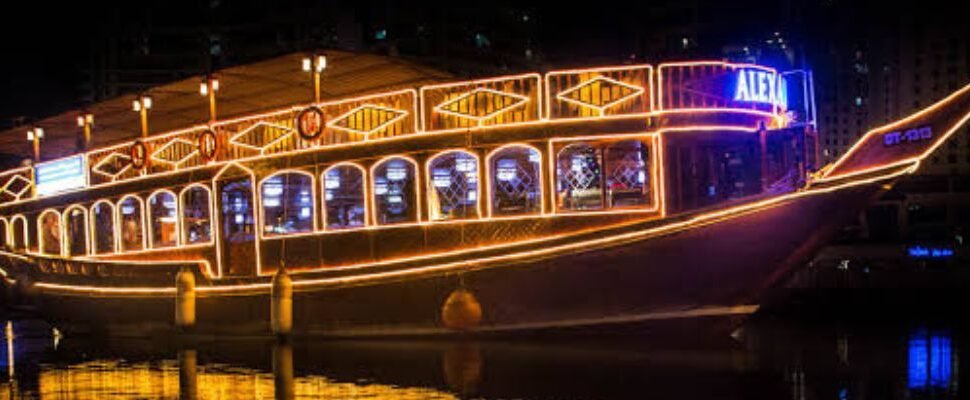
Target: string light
[(655, 138)]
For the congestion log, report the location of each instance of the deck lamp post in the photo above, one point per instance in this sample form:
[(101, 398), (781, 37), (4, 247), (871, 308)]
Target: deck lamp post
[(208, 87), (35, 135), (315, 64), (141, 106), (86, 122)]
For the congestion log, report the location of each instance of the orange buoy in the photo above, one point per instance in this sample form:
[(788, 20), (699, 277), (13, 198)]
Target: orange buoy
[(461, 311)]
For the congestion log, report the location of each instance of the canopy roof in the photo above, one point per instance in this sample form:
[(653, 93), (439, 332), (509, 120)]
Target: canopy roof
[(246, 89)]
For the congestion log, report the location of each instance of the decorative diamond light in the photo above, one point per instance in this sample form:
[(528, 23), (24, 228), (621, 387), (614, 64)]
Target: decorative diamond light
[(481, 104), (261, 136), (17, 186), (367, 119), (600, 93), (108, 166), (175, 152)]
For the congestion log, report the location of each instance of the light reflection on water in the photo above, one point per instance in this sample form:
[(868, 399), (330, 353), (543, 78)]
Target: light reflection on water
[(767, 360)]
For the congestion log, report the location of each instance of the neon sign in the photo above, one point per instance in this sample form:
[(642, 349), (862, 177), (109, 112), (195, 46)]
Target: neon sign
[(760, 86), (929, 252), (908, 136), (60, 175)]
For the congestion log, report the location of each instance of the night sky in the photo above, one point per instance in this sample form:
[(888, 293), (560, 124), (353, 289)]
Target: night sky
[(46, 47)]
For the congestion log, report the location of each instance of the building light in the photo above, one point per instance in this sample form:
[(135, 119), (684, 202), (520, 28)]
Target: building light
[(203, 88)]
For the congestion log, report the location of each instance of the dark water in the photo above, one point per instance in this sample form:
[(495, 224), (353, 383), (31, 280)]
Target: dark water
[(792, 357)]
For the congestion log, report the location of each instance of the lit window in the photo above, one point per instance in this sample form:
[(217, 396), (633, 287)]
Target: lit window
[(453, 192), (394, 192), (579, 178), (287, 203), (164, 218), (4, 228), (515, 181), (627, 166), (196, 218), (103, 218), (76, 230), (18, 233), (132, 224), (49, 232), (343, 197)]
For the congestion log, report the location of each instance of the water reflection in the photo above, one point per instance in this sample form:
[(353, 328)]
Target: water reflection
[(932, 363), (767, 360)]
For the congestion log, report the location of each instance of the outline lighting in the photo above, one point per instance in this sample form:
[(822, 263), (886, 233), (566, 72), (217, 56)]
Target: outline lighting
[(398, 115), (601, 108)]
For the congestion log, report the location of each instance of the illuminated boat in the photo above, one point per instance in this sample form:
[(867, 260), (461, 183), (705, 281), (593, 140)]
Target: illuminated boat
[(572, 198)]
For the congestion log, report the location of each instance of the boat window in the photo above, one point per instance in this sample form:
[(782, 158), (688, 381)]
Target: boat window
[(103, 218), (4, 234), (343, 196), (49, 227), (516, 181), (163, 214), (76, 230), (132, 224), (714, 168), (579, 178), (18, 233), (453, 186), (287, 200), (394, 192), (196, 215), (627, 166)]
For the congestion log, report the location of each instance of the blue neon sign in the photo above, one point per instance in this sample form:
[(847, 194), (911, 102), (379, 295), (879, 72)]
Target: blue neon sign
[(929, 252), (760, 86), (60, 175)]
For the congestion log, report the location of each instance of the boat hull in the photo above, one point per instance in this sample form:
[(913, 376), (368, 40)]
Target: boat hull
[(719, 269)]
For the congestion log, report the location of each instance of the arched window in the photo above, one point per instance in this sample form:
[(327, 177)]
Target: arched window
[(579, 178), (163, 219), (343, 197), (76, 231), (103, 219), (18, 233), (131, 215), (49, 232), (628, 174), (287, 203), (196, 215), (453, 186), (4, 234), (395, 196), (516, 181)]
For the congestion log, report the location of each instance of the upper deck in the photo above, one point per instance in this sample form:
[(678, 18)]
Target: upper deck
[(706, 93)]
